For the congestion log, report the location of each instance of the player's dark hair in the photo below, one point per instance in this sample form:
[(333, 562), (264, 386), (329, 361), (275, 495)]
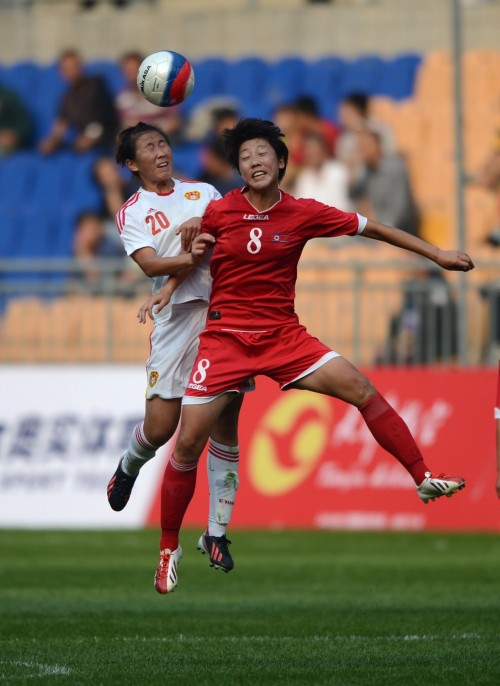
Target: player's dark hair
[(127, 139), (248, 129)]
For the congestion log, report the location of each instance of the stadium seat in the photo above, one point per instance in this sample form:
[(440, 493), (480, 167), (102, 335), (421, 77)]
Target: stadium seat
[(8, 233), (324, 80), (110, 71), (16, 178), (286, 80), (245, 78), (363, 74), (210, 81), (398, 76), (187, 160)]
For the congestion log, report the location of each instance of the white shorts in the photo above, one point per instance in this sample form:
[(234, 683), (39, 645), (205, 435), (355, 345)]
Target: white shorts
[(174, 346)]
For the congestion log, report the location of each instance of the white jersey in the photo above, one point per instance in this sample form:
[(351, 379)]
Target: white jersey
[(149, 220)]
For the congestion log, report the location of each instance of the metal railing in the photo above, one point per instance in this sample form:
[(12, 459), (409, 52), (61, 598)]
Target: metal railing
[(373, 312)]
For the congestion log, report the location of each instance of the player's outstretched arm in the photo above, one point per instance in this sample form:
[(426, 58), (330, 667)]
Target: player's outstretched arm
[(453, 260)]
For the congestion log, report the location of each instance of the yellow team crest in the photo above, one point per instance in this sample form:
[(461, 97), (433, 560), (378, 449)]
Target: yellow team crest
[(153, 378), (192, 195)]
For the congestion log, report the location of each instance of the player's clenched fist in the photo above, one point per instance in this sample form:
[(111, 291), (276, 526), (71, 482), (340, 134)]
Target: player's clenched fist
[(201, 244), (454, 260)]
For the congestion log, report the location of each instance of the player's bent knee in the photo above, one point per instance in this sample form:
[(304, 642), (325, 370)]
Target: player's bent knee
[(363, 390), (188, 450)]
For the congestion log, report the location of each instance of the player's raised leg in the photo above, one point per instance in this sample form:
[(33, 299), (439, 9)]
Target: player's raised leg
[(160, 421), (340, 379)]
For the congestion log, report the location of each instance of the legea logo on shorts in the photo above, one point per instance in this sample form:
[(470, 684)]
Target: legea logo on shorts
[(153, 378), (197, 387), (289, 442)]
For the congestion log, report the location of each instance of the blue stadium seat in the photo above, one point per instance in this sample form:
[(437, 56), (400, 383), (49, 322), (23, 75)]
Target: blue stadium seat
[(187, 161), (246, 80), (210, 81), (16, 178), (398, 78), (21, 77), (286, 81), (324, 79), (110, 71), (364, 75), (45, 103), (10, 229)]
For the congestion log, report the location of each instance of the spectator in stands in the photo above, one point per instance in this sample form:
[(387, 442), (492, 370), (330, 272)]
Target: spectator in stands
[(116, 188), (211, 116), (425, 329), (216, 170), (16, 125), (322, 177), (91, 242), (380, 185), (299, 119), (87, 118), (309, 121), (354, 117), (132, 107)]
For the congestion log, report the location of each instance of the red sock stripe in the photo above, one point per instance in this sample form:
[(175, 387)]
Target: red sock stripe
[(182, 467), (141, 438), (222, 454)]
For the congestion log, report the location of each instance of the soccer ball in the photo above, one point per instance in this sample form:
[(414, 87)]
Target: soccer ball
[(165, 78)]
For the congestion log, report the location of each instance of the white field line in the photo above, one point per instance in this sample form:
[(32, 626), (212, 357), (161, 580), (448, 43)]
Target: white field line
[(38, 668), (292, 639)]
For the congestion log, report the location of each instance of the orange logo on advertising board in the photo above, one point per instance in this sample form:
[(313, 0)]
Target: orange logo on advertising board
[(192, 195), (289, 442)]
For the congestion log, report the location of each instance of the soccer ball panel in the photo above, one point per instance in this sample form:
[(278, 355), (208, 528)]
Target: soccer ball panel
[(165, 78)]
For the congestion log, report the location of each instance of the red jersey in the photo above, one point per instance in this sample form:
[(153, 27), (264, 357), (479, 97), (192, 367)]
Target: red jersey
[(254, 262)]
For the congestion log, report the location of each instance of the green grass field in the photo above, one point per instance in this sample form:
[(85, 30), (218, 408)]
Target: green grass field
[(300, 608)]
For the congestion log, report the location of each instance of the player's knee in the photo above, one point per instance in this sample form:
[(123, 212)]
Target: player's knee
[(188, 449), (158, 435), (363, 390)]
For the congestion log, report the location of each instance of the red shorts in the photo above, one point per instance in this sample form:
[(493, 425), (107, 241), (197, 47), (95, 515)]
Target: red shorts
[(227, 358)]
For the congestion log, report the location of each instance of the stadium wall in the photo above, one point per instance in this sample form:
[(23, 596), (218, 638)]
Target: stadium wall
[(235, 28), (307, 461)]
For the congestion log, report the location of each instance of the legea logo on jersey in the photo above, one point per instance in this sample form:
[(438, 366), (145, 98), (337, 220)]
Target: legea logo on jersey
[(192, 195), (289, 442), (151, 209), (256, 217)]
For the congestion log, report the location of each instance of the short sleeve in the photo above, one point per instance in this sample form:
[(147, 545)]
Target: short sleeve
[(324, 221), (209, 223), (132, 232)]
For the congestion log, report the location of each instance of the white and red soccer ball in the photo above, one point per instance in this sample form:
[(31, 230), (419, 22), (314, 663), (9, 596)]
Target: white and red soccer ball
[(165, 78)]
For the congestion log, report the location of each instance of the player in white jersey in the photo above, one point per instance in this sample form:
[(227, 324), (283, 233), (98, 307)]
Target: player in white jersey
[(149, 225)]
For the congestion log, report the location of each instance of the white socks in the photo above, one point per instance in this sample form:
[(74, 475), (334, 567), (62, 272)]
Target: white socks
[(222, 468), (139, 451)]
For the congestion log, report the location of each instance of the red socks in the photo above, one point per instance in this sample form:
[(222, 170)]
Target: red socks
[(391, 432), (177, 490)]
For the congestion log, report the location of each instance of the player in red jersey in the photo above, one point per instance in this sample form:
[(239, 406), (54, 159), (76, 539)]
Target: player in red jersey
[(259, 233)]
